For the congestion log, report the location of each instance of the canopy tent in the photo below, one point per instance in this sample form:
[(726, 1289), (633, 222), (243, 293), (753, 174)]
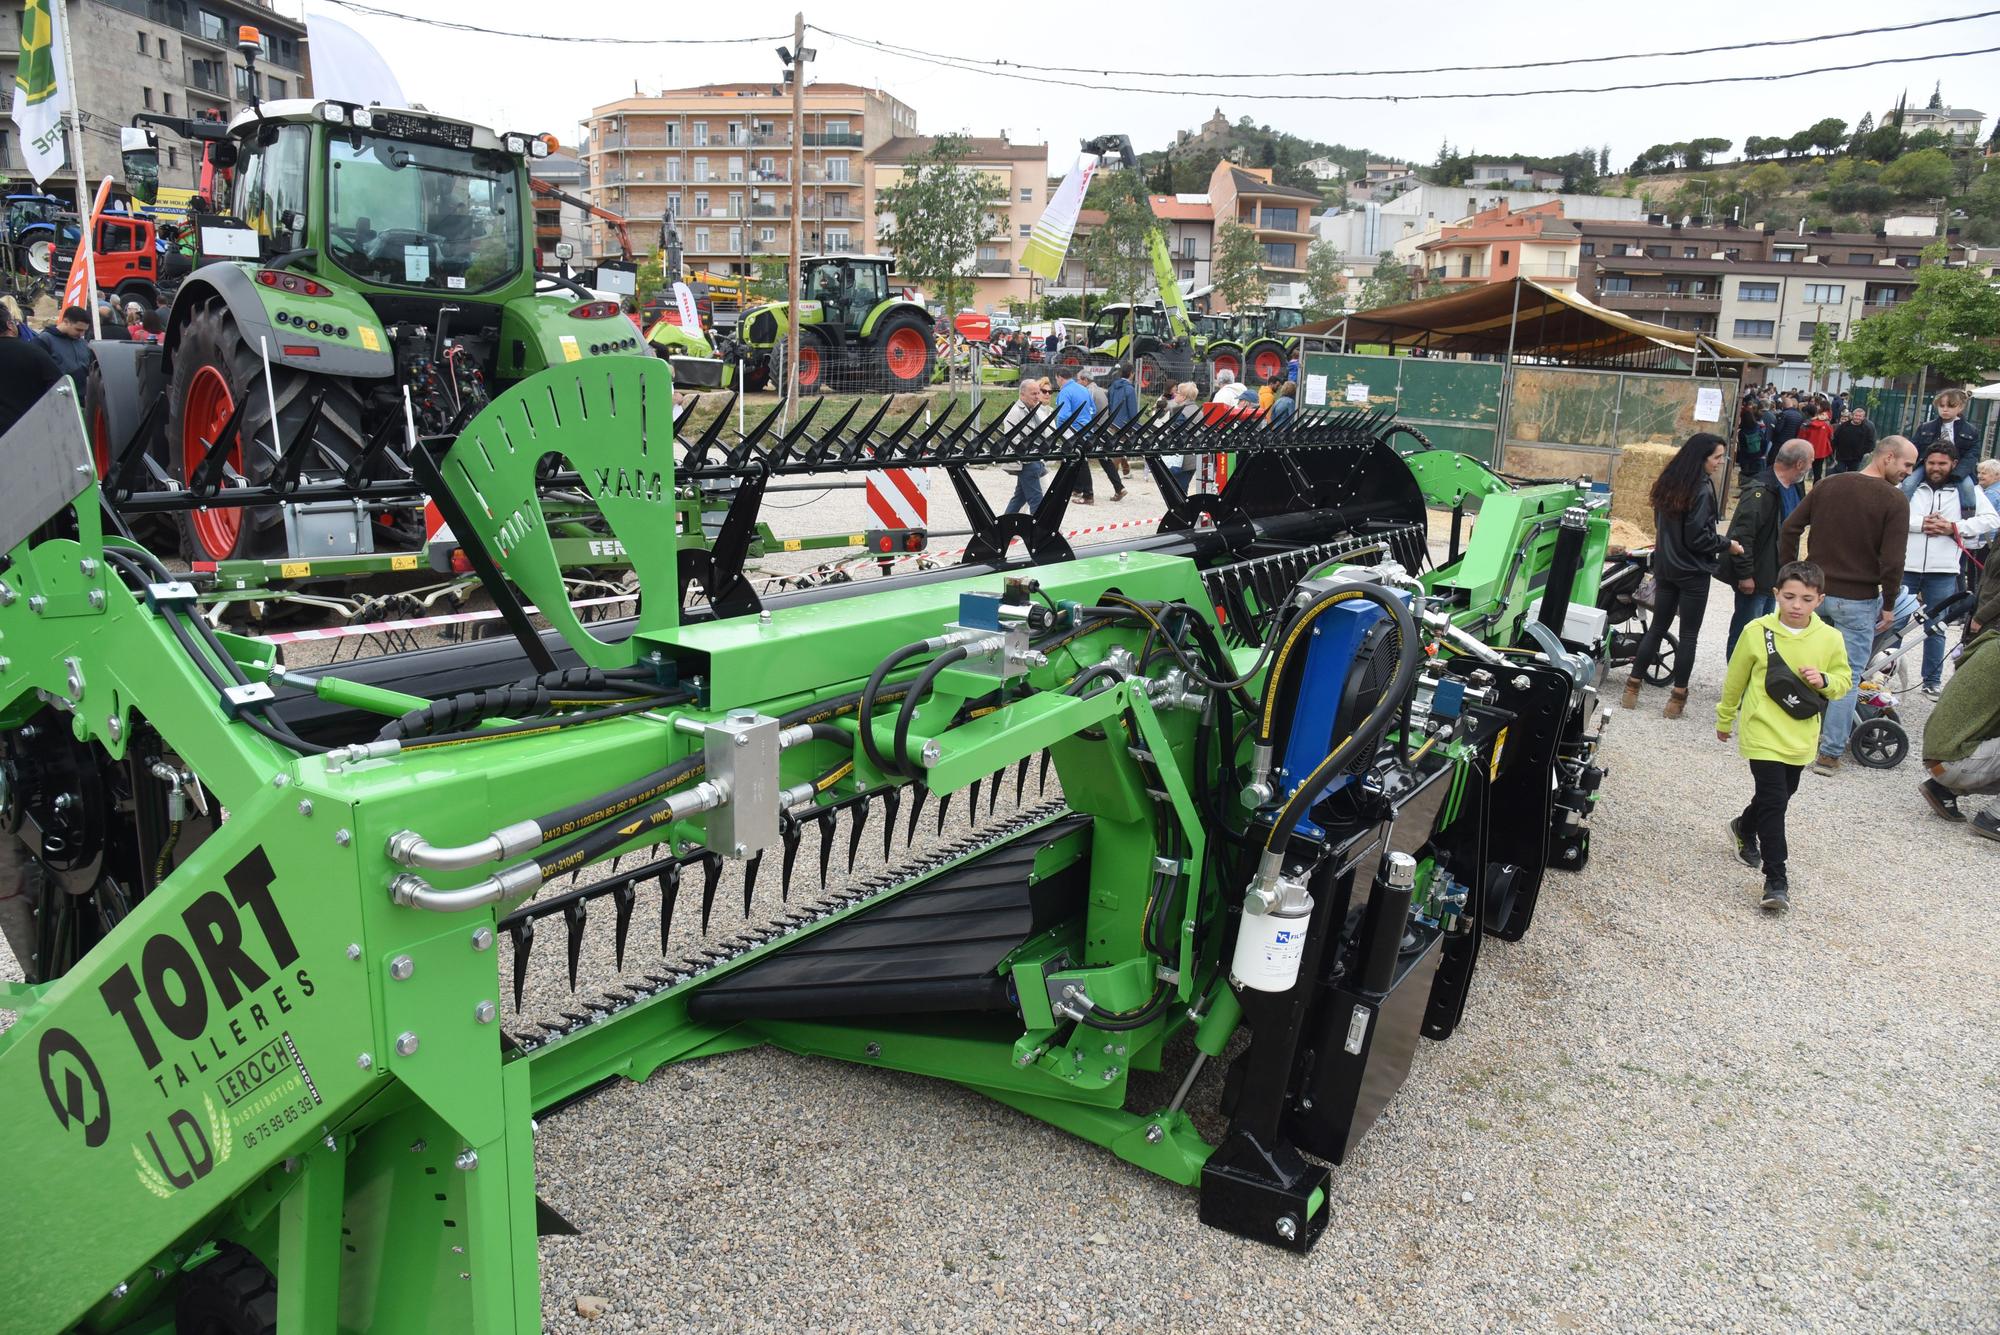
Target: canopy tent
[(1523, 320)]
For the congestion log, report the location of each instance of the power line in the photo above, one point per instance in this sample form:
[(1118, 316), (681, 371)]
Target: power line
[(971, 61), (957, 63), (380, 13)]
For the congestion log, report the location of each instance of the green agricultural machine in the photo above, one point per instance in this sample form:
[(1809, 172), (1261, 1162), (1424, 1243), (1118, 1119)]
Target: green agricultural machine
[(1253, 792), (371, 279), (1251, 344), (1144, 337), (857, 333)]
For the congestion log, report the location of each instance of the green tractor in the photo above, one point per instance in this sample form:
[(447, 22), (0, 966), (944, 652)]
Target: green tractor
[(855, 330), (1250, 344), (370, 275), (1144, 336)]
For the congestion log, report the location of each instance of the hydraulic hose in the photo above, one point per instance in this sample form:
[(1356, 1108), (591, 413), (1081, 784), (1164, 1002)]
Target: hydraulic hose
[(1365, 733), (868, 693), (918, 689)]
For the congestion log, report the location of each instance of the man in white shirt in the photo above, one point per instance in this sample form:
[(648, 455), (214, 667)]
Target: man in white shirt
[(1028, 486), (1947, 514), (1229, 390)]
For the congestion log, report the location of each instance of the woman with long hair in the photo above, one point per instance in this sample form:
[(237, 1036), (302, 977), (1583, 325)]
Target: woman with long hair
[(1685, 551)]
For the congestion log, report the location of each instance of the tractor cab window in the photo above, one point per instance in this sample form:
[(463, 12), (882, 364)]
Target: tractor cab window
[(270, 191), (1149, 322), (848, 292), (422, 216), (1284, 317)]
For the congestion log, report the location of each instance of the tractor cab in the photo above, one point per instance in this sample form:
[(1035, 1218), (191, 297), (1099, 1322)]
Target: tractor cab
[(1278, 319), (848, 288), (1115, 326)]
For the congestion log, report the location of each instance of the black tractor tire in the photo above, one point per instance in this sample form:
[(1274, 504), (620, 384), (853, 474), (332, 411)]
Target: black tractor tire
[(137, 290), (1223, 357), (232, 1295), (815, 361), (756, 375), (1153, 379), (155, 531), (904, 352), (213, 357), (1263, 359)]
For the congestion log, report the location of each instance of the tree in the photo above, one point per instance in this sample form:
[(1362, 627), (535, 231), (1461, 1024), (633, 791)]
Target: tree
[(1761, 182), (1924, 174), (1326, 285), (1950, 324), (1238, 267), (1799, 144), (1389, 285), (1829, 135), (1937, 97), (1761, 146), (934, 217), (770, 281), (1117, 251), (1824, 356), (1700, 150), (1862, 129), (1604, 155)]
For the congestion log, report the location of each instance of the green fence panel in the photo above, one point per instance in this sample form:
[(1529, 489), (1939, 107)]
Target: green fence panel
[(1455, 404)]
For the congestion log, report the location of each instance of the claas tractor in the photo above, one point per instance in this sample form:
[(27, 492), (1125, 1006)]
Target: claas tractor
[(369, 279), (855, 331), (1141, 336), (1245, 343)]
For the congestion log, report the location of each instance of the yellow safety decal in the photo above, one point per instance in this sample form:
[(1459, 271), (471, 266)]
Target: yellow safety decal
[(369, 340), (402, 563), (794, 545), (294, 569), (571, 352)]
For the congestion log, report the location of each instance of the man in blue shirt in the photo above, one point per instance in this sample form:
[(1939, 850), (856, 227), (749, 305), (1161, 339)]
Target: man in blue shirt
[(1074, 406)]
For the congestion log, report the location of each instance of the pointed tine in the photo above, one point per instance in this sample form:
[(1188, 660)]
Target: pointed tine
[(711, 876), (789, 831), (697, 453), (854, 831), (993, 791), (574, 916), (750, 870), (826, 821), (670, 893), (892, 802), (920, 794), (944, 807), (972, 806), (523, 934), (623, 900), (1042, 778), (1020, 779)]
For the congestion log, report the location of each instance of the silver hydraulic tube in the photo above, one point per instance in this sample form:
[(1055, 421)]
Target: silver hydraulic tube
[(1463, 639)]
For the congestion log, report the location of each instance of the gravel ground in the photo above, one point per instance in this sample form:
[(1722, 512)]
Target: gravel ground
[(1664, 1110)]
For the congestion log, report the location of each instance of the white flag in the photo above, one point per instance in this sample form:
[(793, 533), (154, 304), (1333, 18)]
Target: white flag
[(1048, 241), (39, 96)]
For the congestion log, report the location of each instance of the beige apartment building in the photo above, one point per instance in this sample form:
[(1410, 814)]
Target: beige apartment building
[(718, 159), (1018, 177)]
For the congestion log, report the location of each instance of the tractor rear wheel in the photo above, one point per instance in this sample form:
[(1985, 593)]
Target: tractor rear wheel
[(905, 351), (1226, 357), (156, 531), (813, 360), (1153, 378), (214, 366), (1265, 358), (232, 1295)]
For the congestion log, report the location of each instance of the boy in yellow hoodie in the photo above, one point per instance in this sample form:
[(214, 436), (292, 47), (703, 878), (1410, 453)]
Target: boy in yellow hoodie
[(1778, 746)]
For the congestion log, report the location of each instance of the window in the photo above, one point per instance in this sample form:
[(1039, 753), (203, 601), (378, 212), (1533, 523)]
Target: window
[(1187, 247), (167, 99), (1825, 294), (767, 234), (674, 204), (1689, 253), (1587, 248), (271, 182), (673, 134), (1282, 255), (701, 203), (1907, 261), (1282, 220), (1860, 257), (673, 169), (736, 204), (767, 169), (736, 240), (1755, 328), (837, 240), (1733, 254), (701, 238), (1026, 231), (1659, 252), (1503, 257), (147, 95), (1756, 291), (736, 133), (206, 74), (701, 134), (246, 83), (1027, 194), (701, 169), (1187, 273), (142, 43), (173, 155), (1807, 328), (1784, 256), (1614, 283), (210, 26), (736, 169), (277, 87), (836, 170), (163, 48)]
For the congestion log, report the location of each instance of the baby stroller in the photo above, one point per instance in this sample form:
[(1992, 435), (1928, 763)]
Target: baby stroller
[(1618, 596), (1879, 740)]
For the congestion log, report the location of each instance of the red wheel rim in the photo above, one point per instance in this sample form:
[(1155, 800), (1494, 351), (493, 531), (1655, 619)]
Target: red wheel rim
[(100, 441), (205, 412), (1268, 364), (904, 350), (1070, 357), (808, 365), (1226, 362)]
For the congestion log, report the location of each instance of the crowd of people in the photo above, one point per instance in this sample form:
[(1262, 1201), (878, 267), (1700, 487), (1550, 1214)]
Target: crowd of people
[(1898, 531)]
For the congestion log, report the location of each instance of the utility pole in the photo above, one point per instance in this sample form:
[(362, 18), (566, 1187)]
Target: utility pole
[(797, 63)]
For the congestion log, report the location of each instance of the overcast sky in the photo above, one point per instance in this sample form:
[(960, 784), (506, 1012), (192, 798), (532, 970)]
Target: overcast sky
[(525, 85)]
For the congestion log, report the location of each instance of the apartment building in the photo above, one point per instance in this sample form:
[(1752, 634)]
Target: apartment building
[(1958, 122), (718, 158), (1764, 291), (1501, 244), (555, 221), (1017, 175), (1514, 174), (1187, 223), (1281, 218), (174, 57), (1380, 181)]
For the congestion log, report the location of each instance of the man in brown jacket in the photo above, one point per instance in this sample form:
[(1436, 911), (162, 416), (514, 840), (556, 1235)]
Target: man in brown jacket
[(1860, 523)]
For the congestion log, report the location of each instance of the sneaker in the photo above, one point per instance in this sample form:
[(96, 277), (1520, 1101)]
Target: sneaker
[(1777, 894), (1118, 495), (1932, 692), (1942, 799), (1826, 765), (1986, 823), (1746, 848)]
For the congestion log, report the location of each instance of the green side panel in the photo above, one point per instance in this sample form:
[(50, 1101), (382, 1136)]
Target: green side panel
[(888, 308), (1475, 442), (612, 419), (810, 313), (539, 332), (342, 309)]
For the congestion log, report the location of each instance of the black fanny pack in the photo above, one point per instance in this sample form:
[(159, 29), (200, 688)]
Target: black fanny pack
[(1786, 686)]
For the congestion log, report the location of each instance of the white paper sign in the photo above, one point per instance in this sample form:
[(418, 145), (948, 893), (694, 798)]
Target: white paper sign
[(237, 242), (1357, 394), (416, 263), (1708, 403), (622, 281), (1315, 390)]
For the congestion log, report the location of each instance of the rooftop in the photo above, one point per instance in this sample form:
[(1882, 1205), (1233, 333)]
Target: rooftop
[(1182, 208), (1248, 183), (978, 148)]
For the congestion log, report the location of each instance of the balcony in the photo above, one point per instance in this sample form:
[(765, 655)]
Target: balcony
[(832, 139), (1658, 298), (1447, 273), (780, 209), (995, 268), (1549, 271)]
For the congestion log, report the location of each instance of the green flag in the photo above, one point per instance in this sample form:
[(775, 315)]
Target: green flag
[(39, 96)]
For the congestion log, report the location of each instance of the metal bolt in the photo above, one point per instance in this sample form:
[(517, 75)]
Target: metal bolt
[(87, 567), (365, 1061), (1155, 1134), (1110, 1074), (482, 938), (466, 1161), (121, 1290), (483, 1012), (406, 1044), (742, 740), (305, 806), (330, 1143), (1288, 1227), (401, 967), (764, 618), (112, 727), (280, 780), (7, 595), (1521, 682), (931, 754), (37, 604), (873, 1049), (97, 599), (419, 1146), (354, 950), (343, 838)]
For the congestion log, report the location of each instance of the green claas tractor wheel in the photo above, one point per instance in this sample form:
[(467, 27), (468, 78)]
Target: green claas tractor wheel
[(213, 367)]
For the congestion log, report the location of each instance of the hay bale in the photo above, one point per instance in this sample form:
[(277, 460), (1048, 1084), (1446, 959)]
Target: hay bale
[(1639, 466)]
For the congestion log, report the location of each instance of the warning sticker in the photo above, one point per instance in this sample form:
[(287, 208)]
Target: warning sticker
[(402, 563), (571, 352), (369, 341), (294, 569)]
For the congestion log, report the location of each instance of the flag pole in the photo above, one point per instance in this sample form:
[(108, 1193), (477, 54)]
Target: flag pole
[(58, 15)]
